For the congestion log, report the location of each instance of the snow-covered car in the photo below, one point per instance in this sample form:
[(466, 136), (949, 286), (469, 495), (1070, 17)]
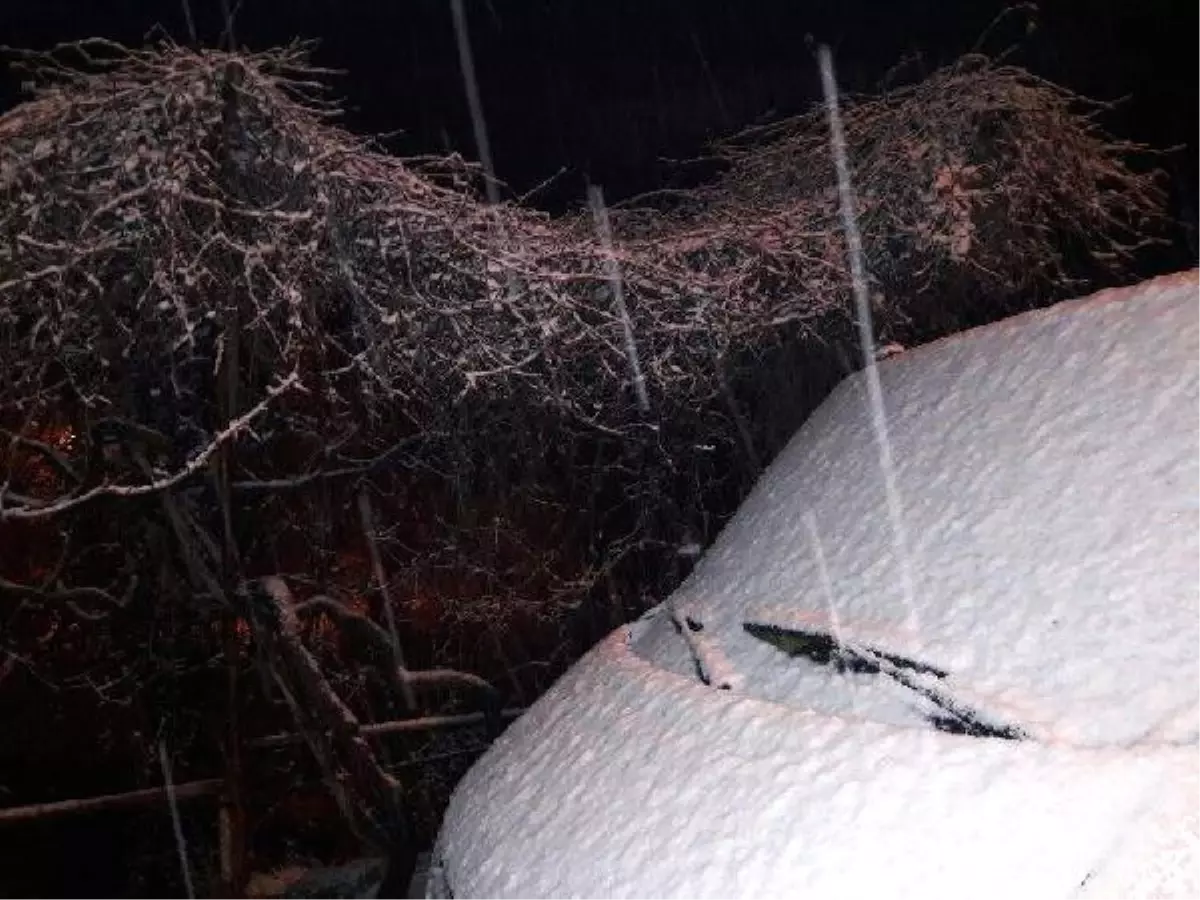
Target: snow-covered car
[(969, 670)]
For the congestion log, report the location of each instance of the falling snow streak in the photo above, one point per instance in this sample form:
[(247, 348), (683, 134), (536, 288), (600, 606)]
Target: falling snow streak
[(466, 63), (726, 121), (814, 537), (810, 522), (862, 305), (176, 822), (483, 146), (190, 23), (613, 273)]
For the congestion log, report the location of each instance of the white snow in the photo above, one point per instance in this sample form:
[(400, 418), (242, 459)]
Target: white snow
[(628, 781), (1048, 468), (1049, 471)]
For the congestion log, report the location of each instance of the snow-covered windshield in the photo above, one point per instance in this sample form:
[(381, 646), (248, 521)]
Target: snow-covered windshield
[(818, 670), (1048, 470)]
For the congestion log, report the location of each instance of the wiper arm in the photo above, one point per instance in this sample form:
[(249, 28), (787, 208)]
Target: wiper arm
[(711, 665), (828, 650)]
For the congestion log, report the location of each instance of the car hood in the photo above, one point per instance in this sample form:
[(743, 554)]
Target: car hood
[(1046, 479), (626, 780)]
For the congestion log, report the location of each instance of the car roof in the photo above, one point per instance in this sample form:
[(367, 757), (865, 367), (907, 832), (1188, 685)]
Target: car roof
[(1046, 477)]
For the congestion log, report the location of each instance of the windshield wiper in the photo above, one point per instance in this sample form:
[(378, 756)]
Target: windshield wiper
[(824, 649)]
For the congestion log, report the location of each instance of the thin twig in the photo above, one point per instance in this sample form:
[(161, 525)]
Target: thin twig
[(398, 726), (194, 465), (368, 524)]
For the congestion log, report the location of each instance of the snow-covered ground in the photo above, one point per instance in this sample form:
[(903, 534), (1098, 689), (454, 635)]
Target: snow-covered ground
[(796, 720)]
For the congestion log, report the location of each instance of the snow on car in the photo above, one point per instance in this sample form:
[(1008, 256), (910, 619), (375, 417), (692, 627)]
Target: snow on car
[(1019, 716)]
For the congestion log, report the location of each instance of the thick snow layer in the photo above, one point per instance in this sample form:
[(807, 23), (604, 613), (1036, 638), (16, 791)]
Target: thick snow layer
[(628, 781), (1049, 477), (1048, 473)]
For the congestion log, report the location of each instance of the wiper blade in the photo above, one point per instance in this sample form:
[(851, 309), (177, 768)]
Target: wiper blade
[(828, 650), (953, 716)]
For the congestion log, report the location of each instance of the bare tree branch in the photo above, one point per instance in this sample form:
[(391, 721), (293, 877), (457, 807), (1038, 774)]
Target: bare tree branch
[(194, 465)]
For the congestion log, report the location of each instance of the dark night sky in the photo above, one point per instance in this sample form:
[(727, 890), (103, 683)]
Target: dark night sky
[(608, 88)]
